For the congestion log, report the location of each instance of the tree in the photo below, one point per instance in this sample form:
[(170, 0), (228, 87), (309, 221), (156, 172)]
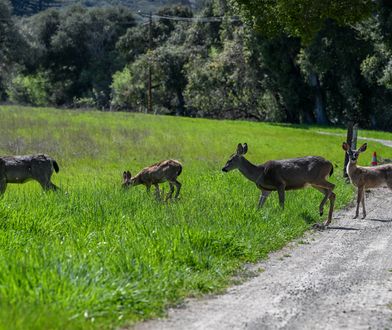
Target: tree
[(136, 40), (302, 18), (225, 85), (30, 7), (77, 49), (336, 64), (12, 45)]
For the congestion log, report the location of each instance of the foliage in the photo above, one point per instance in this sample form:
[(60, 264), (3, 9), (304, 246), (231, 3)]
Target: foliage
[(224, 86), (77, 47), (337, 65), (329, 69), (136, 40), (11, 45), (29, 89), (302, 18), (95, 256), (29, 7)]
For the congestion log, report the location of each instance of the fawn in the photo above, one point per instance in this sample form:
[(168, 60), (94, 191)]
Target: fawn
[(166, 170)]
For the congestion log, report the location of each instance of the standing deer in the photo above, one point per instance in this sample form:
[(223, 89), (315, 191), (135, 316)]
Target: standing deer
[(286, 174), (20, 169), (365, 177), (166, 170)]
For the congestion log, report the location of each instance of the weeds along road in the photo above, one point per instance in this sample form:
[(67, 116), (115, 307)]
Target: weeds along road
[(340, 278)]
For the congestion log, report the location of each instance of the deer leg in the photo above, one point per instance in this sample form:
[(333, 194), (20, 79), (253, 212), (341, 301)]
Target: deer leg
[(332, 198), (326, 188), (363, 206), (263, 197), (359, 199), (178, 185), (3, 186), (46, 184), (52, 186), (281, 194), (326, 193), (157, 192), (170, 194)]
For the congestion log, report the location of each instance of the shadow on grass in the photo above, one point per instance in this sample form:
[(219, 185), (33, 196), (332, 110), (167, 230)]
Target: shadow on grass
[(308, 218), (306, 126)]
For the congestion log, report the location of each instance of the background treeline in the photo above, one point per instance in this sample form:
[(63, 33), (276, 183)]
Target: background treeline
[(80, 56)]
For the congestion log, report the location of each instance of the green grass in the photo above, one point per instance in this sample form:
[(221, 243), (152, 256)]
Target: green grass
[(94, 256)]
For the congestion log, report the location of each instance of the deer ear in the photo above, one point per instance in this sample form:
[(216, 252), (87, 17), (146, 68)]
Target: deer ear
[(124, 174), (245, 148), (363, 147), (240, 149), (345, 146)]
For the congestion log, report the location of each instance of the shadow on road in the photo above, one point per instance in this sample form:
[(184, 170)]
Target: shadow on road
[(380, 220), (341, 228)]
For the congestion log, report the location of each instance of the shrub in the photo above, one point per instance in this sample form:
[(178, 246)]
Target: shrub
[(31, 89)]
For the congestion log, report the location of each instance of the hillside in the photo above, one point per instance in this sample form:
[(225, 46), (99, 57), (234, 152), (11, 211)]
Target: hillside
[(30, 7)]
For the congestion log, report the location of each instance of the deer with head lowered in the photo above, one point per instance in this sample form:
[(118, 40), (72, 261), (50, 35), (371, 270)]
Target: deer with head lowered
[(286, 174), (20, 169), (166, 170), (365, 177)]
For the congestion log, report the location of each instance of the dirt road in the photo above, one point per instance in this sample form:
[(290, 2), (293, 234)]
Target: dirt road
[(340, 278)]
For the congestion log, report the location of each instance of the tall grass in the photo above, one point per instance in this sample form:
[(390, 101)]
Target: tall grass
[(95, 256)]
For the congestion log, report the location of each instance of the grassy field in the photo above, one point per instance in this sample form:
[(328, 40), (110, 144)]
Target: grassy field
[(95, 256)]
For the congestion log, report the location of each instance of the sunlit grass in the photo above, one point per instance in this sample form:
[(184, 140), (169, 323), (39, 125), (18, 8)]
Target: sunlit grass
[(95, 256)]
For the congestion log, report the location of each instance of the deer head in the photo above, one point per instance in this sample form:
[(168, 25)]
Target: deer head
[(353, 154), (127, 179), (234, 159)]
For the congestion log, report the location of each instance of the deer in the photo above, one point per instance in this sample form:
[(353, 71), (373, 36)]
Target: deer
[(21, 169), (166, 170), (287, 174), (365, 177)]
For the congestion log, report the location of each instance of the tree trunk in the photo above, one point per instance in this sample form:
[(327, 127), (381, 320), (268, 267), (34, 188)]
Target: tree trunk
[(180, 111), (319, 108)]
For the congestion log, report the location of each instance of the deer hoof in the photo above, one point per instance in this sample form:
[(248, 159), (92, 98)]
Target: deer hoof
[(321, 213), (356, 216), (319, 226)]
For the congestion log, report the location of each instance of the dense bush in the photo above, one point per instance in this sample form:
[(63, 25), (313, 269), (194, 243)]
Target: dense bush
[(33, 89)]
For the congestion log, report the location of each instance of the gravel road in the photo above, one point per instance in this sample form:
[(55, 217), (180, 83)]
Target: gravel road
[(387, 143), (339, 278)]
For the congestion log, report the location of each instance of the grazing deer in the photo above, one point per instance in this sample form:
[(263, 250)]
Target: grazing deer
[(286, 174), (365, 177), (166, 170), (20, 169)]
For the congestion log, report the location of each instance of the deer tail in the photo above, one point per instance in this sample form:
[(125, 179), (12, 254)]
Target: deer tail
[(331, 171), (55, 166), (179, 170)]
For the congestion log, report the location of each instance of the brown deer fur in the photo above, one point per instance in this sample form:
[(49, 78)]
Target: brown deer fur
[(365, 177), (166, 170), (286, 174)]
